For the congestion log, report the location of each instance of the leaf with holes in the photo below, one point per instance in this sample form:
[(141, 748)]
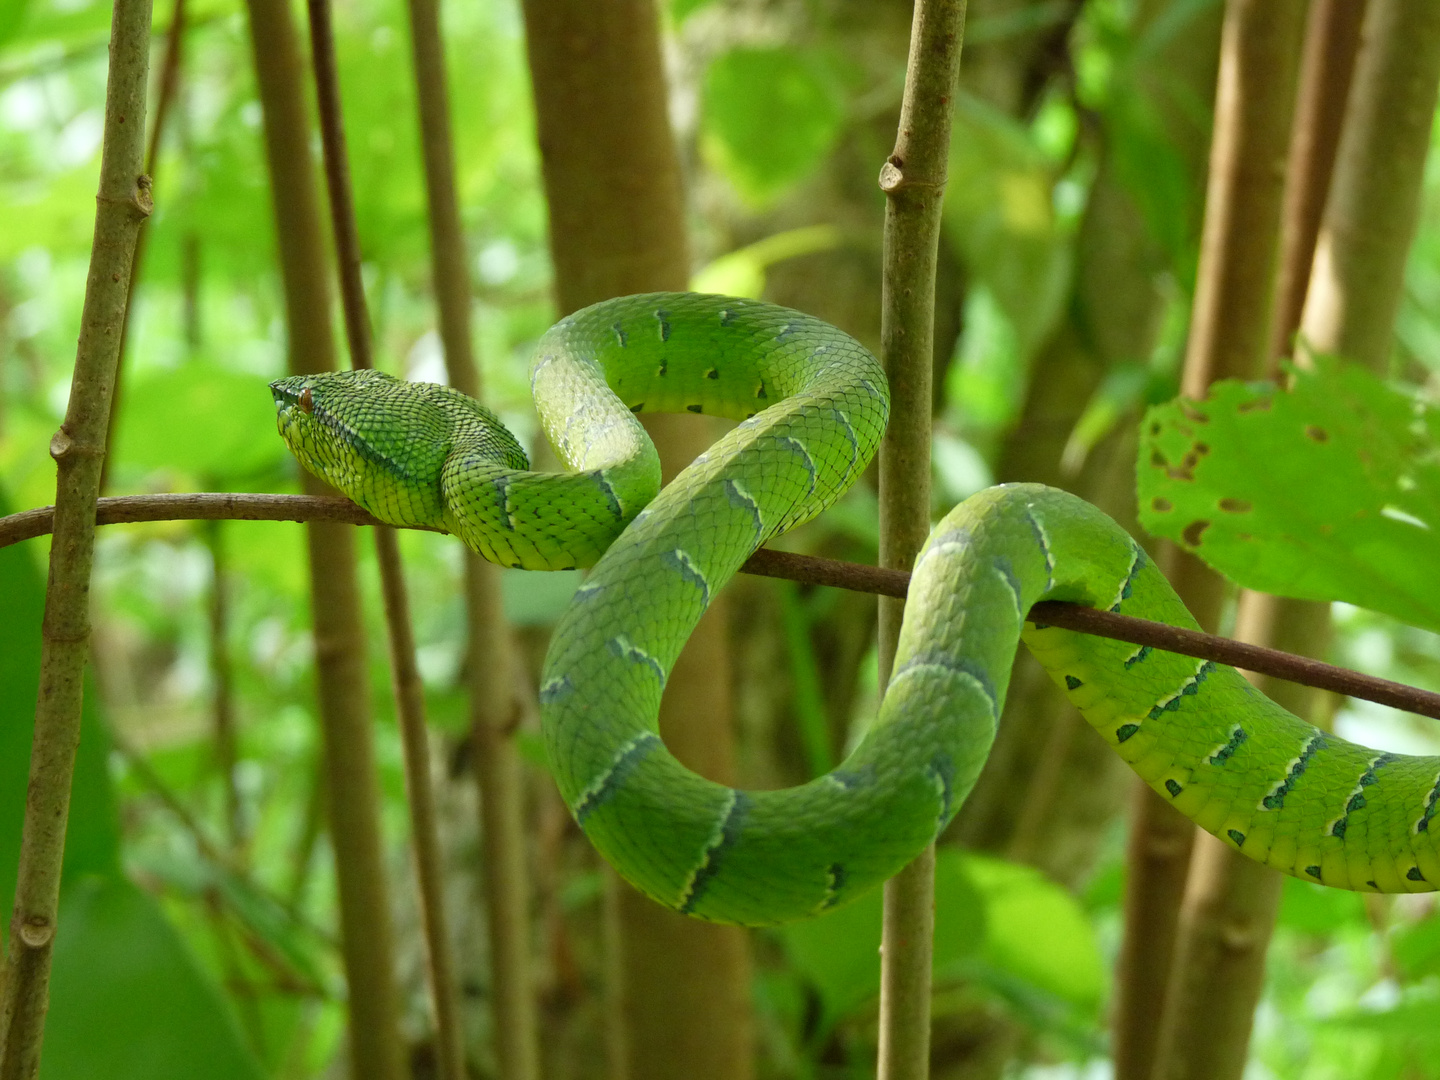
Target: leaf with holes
[(1327, 491)]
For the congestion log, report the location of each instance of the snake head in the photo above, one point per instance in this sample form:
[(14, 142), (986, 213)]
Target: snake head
[(372, 436), (320, 437)]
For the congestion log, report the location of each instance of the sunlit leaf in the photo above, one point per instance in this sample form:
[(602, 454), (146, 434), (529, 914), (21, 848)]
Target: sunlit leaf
[(742, 272), (991, 916), (1328, 491), (1000, 218), (1314, 909)]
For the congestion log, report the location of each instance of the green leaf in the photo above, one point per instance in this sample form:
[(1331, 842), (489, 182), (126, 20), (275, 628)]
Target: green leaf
[(1416, 948), (769, 117), (127, 1001), (839, 952), (1037, 932), (997, 923), (1328, 491), (680, 10)]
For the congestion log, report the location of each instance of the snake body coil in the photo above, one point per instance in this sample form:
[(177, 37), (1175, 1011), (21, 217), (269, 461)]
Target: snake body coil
[(812, 405)]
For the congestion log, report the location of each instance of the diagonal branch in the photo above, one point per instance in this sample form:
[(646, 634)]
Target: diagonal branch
[(409, 693), (806, 569)]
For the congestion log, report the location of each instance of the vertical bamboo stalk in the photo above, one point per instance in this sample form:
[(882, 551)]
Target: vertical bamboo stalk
[(1229, 336), (504, 872), (352, 795), (913, 180), (123, 204), (617, 225), (409, 692)]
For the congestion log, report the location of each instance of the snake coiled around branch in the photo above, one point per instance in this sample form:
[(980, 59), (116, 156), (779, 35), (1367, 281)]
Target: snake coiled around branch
[(812, 404)]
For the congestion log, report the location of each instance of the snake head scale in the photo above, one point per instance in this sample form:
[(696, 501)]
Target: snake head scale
[(385, 442)]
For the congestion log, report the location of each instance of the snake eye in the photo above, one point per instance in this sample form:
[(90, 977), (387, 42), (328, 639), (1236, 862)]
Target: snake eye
[(306, 400)]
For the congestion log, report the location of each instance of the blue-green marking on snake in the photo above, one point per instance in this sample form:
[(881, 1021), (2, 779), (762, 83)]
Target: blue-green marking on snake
[(1274, 787)]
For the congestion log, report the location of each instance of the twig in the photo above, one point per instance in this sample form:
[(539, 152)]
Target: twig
[(806, 569), (337, 183), (409, 692), (504, 871), (342, 672), (169, 80), (122, 205), (913, 180)]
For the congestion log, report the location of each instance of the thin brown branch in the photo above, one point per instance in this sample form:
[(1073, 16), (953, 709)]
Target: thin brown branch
[(342, 683), (1332, 39), (913, 180), (169, 80), (122, 205), (806, 569), (504, 870), (409, 693), (337, 183), (424, 828), (223, 689)]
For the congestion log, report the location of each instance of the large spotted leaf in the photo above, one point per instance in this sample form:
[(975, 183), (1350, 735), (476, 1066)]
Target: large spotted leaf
[(1327, 491)]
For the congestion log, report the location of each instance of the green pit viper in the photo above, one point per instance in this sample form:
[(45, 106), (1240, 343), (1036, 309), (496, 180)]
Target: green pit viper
[(812, 404)]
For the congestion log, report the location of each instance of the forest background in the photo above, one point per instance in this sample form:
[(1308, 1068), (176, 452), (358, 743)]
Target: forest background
[(199, 915)]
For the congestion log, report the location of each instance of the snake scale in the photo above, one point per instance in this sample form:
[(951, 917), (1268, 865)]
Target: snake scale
[(812, 404)]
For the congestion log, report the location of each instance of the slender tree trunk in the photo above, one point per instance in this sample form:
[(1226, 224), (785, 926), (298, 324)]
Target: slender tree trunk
[(1357, 277), (489, 662), (352, 794), (1229, 337), (913, 180), (123, 204), (617, 226), (1353, 296)]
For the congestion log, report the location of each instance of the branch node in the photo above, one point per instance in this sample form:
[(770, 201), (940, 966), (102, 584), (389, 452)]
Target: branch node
[(36, 931), (63, 447), (138, 200)]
